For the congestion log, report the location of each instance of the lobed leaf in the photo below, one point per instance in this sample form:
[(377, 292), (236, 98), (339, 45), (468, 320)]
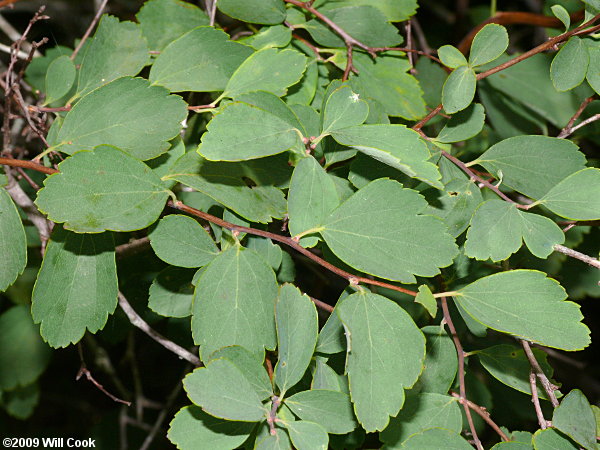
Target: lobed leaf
[(76, 288), (163, 21), (528, 305), (118, 49), (576, 197), (106, 190), (385, 356), (241, 132), (202, 60), (234, 303), (532, 165), (379, 230), (128, 113)]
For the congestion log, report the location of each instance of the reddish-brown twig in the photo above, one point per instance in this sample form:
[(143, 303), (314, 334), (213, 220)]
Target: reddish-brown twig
[(568, 129), (539, 372), (483, 413), (461, 371)]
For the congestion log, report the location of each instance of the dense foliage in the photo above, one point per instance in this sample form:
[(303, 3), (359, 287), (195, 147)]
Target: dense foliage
[(350, 241)]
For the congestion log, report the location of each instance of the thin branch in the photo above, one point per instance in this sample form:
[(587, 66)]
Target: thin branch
[(322, 305), (537, 369), (83, 370), (409, 50), (132, 247), (536, 401), (462, 166), (549, 44), (461, 371), (162, 415), (27, 165), (353, 279), (87, 33), (566, 131), (594, 262), (140, 323), (212, 12), (585, 122), (483, 413)]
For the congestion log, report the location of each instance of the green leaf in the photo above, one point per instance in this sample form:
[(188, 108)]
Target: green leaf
[(270, 252), (489, 43), (193, 428), (570, 64), (106, 190), (234, 303), (528, 305), (385, 356), (279, 441), (325, 377), (13, 243), (163, 21), (498, 229), (267, 12), (250, 366), (425, 298), (307, 435), (441, 362), (394, 145), (532, 165), (128, 113), (21, 401), (393, 10), (386, 81), (202, 60), (451, 56), (240, 132), (171, 292), (59, 78), (562, 14), (76, 288), (456, 204), (269, 70), (276, 36), (331, 409), (593, 73), (459, 89), (343, 109), (221, 390), (436, 438), (463, 125), (23, 355), (550, 439), (117, 50), (312, 197), (364, 23), (181, 241), (331, 337), (576, 197), (224, 182), (509, 365), (379, 231), (420, 412), (275, 106), (575, 418), (297, 329)]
